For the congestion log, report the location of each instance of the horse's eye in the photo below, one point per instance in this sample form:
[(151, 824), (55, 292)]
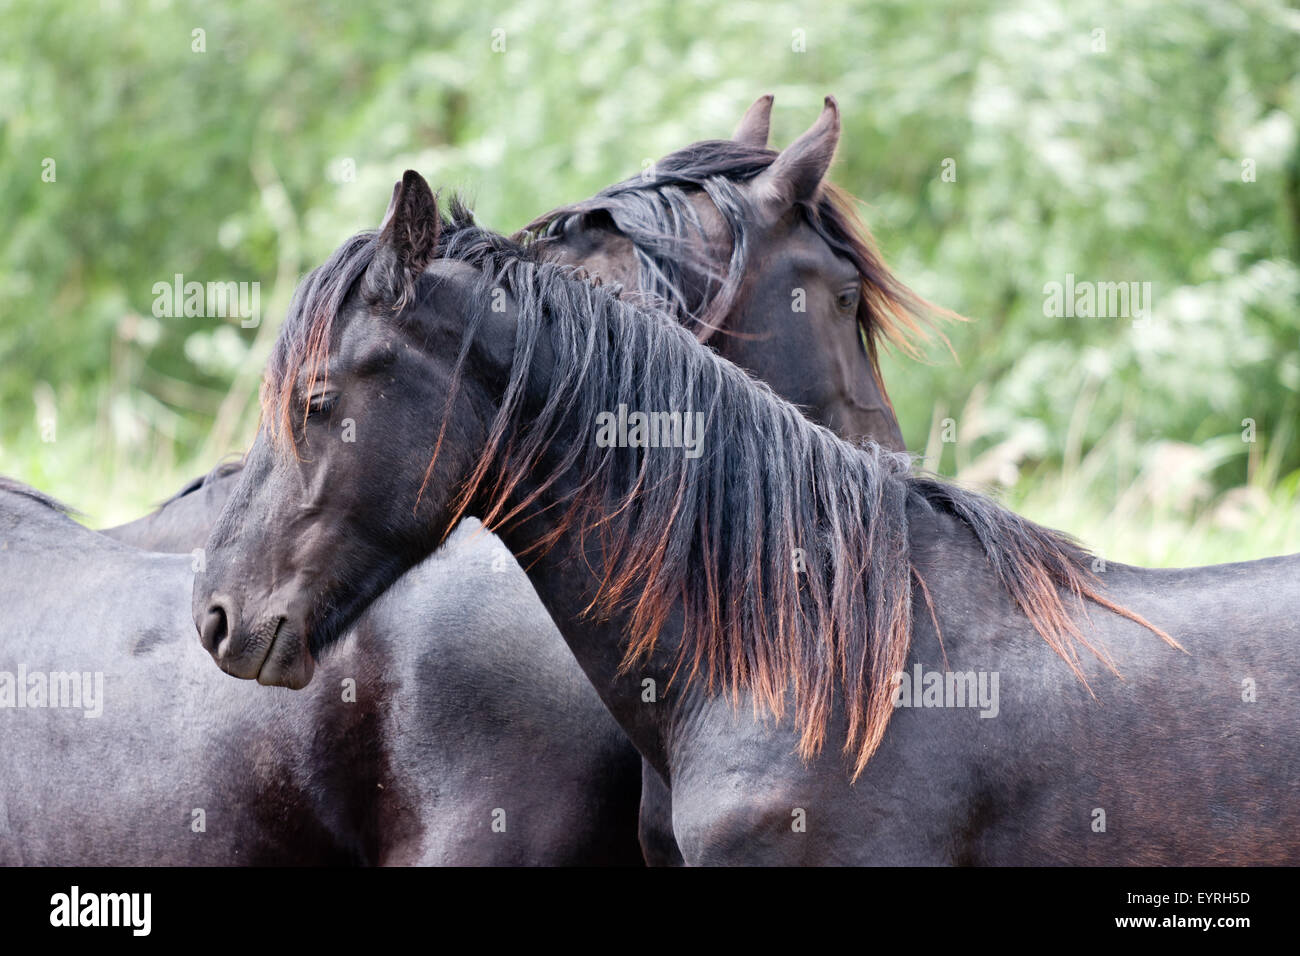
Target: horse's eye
[(321, 404), (847, 300)]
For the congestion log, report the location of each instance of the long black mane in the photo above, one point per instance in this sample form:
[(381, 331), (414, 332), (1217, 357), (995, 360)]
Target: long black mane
[(654, 211), (716, 535)]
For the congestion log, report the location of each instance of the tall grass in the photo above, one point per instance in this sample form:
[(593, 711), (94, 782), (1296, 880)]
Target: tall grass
[(1153, 504)]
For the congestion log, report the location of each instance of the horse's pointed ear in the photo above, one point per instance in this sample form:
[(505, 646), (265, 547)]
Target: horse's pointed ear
[(408, 242), (756, 122), (797, 172)]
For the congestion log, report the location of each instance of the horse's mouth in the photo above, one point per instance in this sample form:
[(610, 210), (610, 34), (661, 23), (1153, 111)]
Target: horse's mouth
[(270, 646), (286, 661), (282, 660)]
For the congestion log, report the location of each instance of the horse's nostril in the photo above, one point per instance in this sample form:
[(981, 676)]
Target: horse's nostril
[(216, 629)]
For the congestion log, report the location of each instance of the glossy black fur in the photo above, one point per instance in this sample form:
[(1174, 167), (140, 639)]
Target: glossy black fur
[(816, 356), (441, 742), (836, 381), (1184, 768)]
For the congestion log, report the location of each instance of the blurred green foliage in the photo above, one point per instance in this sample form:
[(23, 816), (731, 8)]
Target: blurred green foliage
[(1138, 142)]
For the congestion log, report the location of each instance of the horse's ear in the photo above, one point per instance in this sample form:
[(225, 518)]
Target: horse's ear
[(756, 122), (408, 242), (797, 172)]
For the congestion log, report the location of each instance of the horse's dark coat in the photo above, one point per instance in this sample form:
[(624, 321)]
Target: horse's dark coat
[(1184, 769), (835, 380), (412, 772)]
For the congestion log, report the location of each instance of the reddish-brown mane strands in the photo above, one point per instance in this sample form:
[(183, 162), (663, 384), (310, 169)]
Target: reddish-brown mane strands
[(713, 533)]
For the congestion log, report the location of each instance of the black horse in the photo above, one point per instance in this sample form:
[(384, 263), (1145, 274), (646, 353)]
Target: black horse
[(739, 609), (164, 761), (120, 766), (760, 278), (836, 378), (686, 238)]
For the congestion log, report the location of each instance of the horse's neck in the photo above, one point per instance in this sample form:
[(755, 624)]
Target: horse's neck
[(566, 579)]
